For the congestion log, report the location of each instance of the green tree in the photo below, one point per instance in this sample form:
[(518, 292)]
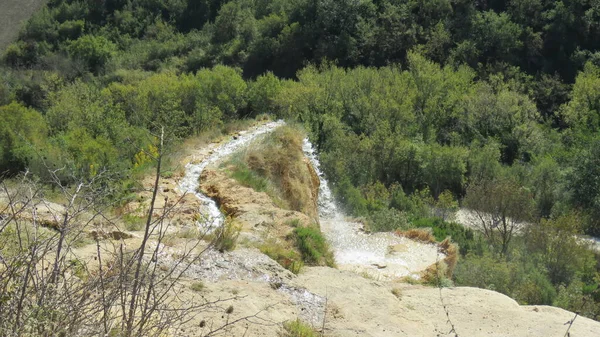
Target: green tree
[(584, 185), (555, 243), (94, 50), (444, 167), (544, 176), (502, 208), (446, 205), (496, 36), (583, 110), (222, 88), (263, 92), (84, 105), (23, 132), (484, 161)]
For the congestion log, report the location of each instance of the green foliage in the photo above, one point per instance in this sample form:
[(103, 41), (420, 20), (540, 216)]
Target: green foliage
[(446, 205), (263, 92), (584, 184), (23, 132), (95, 51), (134, 223), (465, 238), (249, 178), (222, 89), (387, 220), (426, 101), (583, 110), (286, 257), (484, 272), (298, 328), (495, 35), (574, 298), (554, 244), (444, 168), (313, 247), (71, 30)]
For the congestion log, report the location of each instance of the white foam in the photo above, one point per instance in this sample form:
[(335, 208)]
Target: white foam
[(384, 254)]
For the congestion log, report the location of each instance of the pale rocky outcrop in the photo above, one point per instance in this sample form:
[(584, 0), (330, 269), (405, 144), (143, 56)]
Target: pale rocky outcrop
[(255, 211)]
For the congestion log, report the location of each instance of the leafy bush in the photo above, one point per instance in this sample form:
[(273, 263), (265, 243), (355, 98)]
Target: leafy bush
[(574, 298), (535, 288), (464, 237), (518, 279), (385, 220), (133, 223), (94, 50), (71, 30), (484, 272), (313, 247), (351, 198), (22, 133)]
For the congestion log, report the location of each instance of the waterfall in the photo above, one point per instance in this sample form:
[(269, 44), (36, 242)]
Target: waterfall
[(380, 255), (211, 215)]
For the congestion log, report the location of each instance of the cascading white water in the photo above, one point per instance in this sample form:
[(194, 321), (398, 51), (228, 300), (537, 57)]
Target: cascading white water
[(378, 254), (211, 215)]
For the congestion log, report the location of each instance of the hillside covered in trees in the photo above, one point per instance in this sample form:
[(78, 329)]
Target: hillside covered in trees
[(415, 106)]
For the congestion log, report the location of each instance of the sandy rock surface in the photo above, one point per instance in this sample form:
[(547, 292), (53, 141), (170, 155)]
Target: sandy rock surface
[(358, 306), (254, 210)]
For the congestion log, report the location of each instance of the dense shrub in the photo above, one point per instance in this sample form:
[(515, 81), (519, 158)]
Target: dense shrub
[(23, 133), (313, 247), (94, 50), (386, 220)]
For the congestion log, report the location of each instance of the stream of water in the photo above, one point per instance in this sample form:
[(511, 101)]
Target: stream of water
[(380, 255), (211, 215)]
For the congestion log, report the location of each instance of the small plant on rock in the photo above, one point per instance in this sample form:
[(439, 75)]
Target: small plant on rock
[(298, 328), (288, 258), (226, 236)]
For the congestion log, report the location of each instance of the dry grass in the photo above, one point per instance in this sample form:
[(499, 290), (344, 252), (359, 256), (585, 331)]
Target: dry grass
[(421, 235), (445, 268), (434, 273), (397, 292), (451, 251), (278, 161)]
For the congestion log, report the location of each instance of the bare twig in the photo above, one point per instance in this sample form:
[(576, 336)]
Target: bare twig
[(568, 333)]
